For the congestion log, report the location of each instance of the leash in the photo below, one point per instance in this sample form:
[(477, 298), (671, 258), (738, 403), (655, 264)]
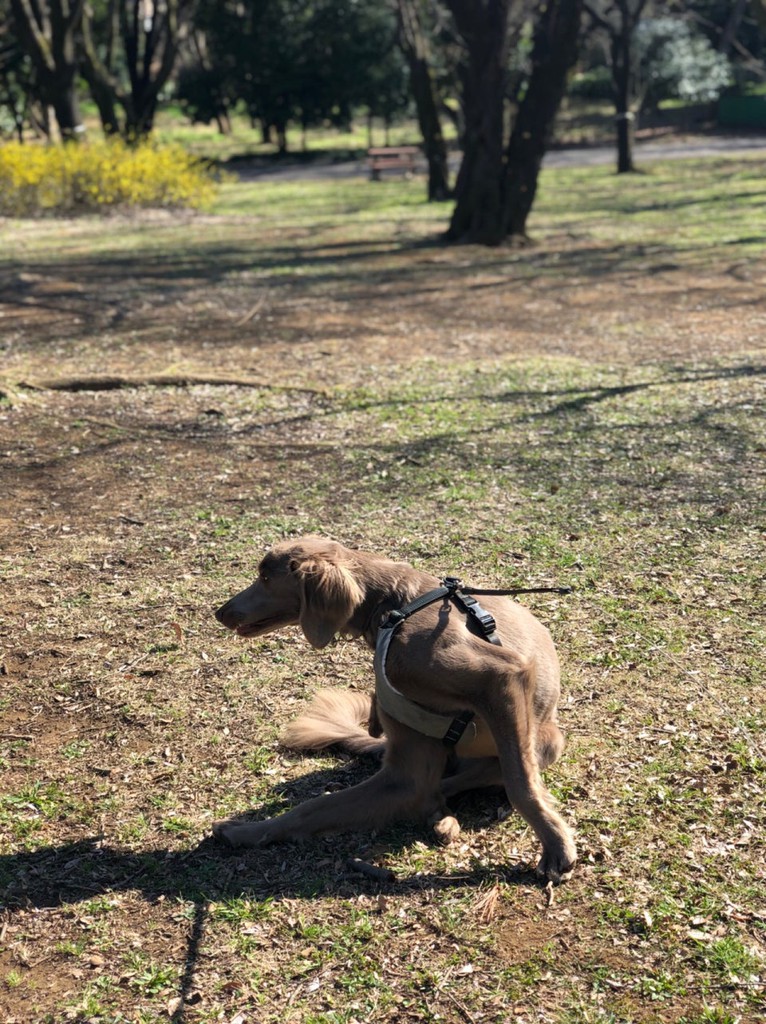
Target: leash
[(449, 729)]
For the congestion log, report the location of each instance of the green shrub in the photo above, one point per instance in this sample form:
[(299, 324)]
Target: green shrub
[(93, 176)]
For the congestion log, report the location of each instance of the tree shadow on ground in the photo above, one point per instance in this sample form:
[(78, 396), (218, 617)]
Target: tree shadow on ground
[(128, 289), (601, 450)]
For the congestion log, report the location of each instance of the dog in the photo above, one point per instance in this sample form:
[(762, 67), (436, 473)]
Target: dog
[(436, 660)]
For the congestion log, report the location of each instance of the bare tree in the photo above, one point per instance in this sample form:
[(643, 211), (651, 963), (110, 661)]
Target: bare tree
[(554, 52), (758, 8), (729, 33), (414, 44), (619, 20), (16, 76), (47, 31), (143, 38), (484, 27)]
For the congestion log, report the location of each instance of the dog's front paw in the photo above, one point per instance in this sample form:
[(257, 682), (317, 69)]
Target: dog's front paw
[(447, 829), (248, 833), (556, 865)]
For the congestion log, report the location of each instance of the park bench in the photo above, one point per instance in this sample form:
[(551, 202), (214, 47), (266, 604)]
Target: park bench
[(392, 158)]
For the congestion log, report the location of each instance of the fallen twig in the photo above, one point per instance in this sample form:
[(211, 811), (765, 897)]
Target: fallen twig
[(468, 1016), (486, 905), (251, 313), (177, 380)]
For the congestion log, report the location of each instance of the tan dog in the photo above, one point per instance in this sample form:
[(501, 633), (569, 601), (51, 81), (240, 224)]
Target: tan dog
[(435, 660)]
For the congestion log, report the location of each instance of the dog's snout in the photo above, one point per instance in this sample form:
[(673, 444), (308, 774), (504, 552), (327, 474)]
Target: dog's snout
[(227, 615)]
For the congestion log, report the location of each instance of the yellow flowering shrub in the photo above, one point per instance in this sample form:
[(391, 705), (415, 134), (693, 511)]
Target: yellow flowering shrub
[(95, 175)]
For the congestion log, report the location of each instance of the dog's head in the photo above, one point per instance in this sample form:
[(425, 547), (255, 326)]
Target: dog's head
[(308, 582)]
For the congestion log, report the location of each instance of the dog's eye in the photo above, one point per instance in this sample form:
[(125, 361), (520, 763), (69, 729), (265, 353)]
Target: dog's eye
[(263, 578)]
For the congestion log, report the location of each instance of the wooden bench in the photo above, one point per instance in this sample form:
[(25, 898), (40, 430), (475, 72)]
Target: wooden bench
[(392, 158)]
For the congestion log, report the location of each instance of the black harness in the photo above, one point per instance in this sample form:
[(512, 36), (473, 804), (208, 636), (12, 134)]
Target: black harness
[(448, 728)]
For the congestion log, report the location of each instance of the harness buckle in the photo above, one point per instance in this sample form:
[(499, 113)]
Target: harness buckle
[(486, 621), (480, 616), (452, 583), (395, 616)]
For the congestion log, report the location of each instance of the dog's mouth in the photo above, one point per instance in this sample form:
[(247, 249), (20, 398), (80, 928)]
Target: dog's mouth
[(251, 629), (260, 627)]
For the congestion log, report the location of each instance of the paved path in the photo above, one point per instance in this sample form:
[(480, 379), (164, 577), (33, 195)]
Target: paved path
[(580, 156)]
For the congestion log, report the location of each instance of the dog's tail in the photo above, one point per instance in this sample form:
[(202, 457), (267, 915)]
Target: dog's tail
[(335, 718)]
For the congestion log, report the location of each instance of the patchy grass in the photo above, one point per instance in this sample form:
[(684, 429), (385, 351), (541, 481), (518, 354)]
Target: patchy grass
[(588, 411)]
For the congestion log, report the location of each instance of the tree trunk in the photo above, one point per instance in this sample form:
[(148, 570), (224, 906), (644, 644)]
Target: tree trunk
[(47, 33), (223, 121), (413, 43), (39, 118), (729, 33), (67, 112), (619, 22), (104, 98), (625, 118), (103, 88), (553, 53), (151, 48), (758, 8), (478, 213)]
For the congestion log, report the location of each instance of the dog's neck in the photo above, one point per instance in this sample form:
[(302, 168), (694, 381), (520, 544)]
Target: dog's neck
[(387, 585)]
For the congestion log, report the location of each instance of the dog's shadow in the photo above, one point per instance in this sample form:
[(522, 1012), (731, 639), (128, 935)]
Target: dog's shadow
[(211, 872), (50, 876)]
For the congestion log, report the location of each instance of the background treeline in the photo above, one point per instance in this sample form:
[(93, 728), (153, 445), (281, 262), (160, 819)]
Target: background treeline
[(323, 62), (495, 70)]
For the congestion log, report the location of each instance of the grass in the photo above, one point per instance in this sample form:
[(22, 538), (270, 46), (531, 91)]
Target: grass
[(587, 411)]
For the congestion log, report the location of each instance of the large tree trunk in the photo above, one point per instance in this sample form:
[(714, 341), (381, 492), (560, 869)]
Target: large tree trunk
[(553, 54), (66, 109), (47, 32), (104, 98), (484, 28), (758, 10), (413, 43)]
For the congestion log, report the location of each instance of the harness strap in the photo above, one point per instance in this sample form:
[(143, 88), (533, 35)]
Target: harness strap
[(517, 590), (448, 728), (398, 615)]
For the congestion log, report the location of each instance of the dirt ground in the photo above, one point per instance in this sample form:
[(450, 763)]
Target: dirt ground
[(128, 721)]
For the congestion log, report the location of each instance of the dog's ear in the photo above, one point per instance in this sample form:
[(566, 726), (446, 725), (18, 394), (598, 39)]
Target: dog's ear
[(329, 596)]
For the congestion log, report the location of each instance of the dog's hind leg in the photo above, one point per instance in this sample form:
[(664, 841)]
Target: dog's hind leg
[(371, 804), (509, 712)]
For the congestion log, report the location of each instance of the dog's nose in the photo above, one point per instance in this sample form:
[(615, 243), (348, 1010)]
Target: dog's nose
[(225, 615)]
